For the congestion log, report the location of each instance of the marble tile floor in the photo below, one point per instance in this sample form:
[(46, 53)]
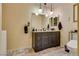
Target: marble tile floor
[(55, 51)]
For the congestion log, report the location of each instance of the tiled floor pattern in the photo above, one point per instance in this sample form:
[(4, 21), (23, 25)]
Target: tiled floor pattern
[(56, 51)]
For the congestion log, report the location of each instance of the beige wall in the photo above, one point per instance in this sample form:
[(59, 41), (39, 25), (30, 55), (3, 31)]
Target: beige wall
[(78, 31), (37, 21), (65, 14), (0, 27), (15, 16), (0, 16)]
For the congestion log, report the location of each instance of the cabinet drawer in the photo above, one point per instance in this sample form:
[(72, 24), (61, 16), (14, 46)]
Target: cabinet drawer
[(43, 40)]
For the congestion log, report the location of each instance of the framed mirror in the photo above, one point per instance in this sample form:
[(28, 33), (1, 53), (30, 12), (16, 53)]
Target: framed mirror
[(53, 21), (75, 12), (37, 21)]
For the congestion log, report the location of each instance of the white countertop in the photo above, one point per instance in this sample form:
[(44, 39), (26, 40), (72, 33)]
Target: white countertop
[(47, 31)]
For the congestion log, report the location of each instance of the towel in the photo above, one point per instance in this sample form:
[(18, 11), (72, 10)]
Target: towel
[(59, 26)]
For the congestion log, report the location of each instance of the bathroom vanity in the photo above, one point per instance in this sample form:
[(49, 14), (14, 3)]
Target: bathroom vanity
[(45, 32), (45, 39)]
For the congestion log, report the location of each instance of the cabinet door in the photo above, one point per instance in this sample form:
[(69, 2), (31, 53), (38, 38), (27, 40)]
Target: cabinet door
[(58, 39), (44, 40), (53, 39), (38, 42), (51, 42)]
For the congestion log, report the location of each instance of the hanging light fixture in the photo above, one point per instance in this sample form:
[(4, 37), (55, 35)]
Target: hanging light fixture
[(36, 14), (46, 15), (40, 9), (51, 12), (45, 10)]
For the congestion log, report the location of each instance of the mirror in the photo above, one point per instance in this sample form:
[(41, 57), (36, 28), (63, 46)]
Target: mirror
[(53, 21), (75, 12), (38, 21), (41, 22)]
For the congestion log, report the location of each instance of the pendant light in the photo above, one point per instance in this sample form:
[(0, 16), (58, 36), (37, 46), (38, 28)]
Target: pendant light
[(51, 12), (36, 14), (40, 9), (46, 14)]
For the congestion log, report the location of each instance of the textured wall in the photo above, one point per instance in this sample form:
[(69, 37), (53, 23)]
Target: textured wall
[(15, 16)]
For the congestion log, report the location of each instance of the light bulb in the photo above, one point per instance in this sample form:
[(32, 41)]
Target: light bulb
[(40, 10), (46, 15), (51, 12), (36, 13)]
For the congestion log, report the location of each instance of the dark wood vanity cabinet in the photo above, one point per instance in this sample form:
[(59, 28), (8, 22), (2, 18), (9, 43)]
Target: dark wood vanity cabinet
[(43, 40)]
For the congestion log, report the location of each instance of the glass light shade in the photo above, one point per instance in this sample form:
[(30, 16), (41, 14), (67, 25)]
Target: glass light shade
[(46, 15), (51, 12), (40, 10), (36, 14)]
